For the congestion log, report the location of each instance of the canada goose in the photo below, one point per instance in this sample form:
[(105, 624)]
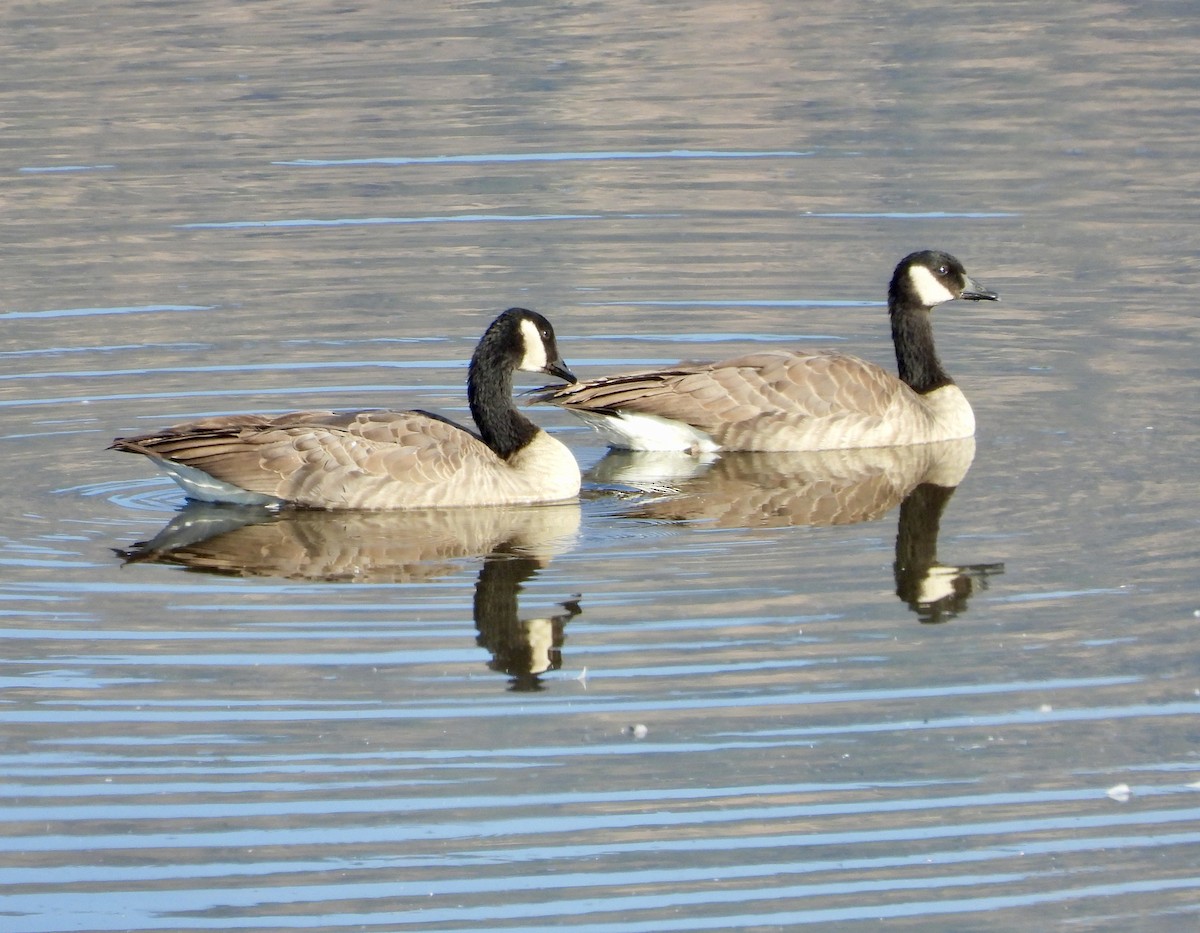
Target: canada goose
[(378, 459), (785, 400)]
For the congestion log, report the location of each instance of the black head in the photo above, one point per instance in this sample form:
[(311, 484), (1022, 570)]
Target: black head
[(526, 341), (930, 277)]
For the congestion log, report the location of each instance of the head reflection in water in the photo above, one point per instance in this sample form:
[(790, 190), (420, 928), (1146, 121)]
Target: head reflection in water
[(524, 649), (936, 592)]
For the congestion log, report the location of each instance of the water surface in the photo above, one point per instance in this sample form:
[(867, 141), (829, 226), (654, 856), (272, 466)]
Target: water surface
[(949, 691)]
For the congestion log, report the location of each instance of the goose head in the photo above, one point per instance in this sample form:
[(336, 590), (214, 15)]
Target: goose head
[(523, 340), (931, 277)]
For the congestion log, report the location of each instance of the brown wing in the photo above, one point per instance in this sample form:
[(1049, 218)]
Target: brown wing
[(348, 459), (769, 387)]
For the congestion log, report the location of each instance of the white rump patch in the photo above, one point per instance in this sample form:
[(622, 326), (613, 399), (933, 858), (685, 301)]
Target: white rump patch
[(534, 359), (930, 291), (628, 431)]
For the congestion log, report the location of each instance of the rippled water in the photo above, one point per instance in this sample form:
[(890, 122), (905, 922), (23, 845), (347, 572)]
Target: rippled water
[(948, 690)]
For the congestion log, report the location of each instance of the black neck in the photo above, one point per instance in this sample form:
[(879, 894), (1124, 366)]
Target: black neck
[(912, 334), (489, 391)]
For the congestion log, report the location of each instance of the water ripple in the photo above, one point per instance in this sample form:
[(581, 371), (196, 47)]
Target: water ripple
[(96, 312), (601, 156), (384, 221)]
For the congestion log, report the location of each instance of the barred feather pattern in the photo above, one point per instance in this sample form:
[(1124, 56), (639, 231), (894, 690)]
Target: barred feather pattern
[(775, 400), (374, 459)]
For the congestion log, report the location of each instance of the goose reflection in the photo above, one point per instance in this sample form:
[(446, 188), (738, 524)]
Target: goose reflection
[(936, 592), (392, 547), (524, 649), (766, 490)]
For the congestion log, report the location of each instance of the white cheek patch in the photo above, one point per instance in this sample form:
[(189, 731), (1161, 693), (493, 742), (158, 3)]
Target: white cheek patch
[(929, 290), (534, 359)]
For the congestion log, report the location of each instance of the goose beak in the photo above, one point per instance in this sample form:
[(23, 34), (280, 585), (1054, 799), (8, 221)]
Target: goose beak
[(973, 291), (558, 369)]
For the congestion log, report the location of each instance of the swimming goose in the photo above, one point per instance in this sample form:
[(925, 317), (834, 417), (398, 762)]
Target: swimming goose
[(785, 400), (378, 459)]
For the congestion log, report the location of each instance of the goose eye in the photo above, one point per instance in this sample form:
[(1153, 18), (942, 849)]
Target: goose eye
[(942, 270)]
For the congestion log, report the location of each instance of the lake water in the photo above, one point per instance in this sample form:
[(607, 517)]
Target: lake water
[(950, 692)]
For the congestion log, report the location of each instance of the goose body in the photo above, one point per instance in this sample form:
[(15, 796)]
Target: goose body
[(380, 459), (784, 400)]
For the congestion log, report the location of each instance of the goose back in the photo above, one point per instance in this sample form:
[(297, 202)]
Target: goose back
[(769, 400), (374, 459)]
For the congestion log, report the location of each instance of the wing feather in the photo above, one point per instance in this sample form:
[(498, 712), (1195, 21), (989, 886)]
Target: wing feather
[(357, 459), (749, 399)]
